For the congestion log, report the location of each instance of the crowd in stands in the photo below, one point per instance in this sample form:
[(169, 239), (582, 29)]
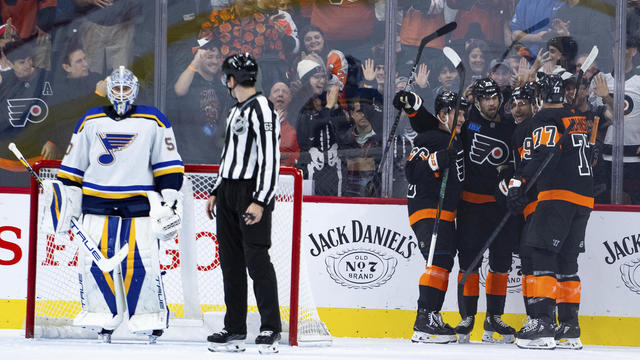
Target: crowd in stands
[(322, 65)]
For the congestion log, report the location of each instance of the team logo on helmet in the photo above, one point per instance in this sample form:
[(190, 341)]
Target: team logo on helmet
[(113, 142), (31, 110), (485, 148)]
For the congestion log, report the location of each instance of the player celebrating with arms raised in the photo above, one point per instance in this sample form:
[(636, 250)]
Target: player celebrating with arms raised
[(429, 157)]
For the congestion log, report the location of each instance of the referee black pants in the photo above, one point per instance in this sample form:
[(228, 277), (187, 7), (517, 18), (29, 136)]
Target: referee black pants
[(242, 248)]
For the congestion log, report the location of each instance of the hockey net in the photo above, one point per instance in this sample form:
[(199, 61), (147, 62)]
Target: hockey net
[(190, 266)]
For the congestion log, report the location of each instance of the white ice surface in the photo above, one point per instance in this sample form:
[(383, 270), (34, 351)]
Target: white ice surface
[(13, 346)]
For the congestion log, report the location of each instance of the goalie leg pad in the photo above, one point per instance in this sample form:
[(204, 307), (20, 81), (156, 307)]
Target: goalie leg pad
[(143, 287), (63, 202), (100, 293)]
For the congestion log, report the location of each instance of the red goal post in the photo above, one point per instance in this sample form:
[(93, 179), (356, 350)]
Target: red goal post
[(191, 273)]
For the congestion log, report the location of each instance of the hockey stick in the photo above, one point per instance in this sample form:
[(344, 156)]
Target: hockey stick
[(592, 139), (535, 27), (505, 219), (105, 264), (585, 65), (457, 63), (438, 33)]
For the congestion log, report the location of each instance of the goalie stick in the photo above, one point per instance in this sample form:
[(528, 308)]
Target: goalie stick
[(425, 40), (457, 63), (105, 264)]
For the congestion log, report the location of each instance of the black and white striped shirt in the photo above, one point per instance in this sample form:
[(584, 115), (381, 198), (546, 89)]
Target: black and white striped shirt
[(252, 147)]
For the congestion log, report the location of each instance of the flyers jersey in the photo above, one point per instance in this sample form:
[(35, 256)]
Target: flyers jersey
[(568, 176), (424, 183), (487, 145), (116, 160)]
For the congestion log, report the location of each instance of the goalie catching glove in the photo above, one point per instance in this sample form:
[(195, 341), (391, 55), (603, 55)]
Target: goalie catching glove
[(63, 203), (517, 197), (165, 213)]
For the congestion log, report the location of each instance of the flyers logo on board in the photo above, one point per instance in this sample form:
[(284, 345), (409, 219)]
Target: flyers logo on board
[(485, 148), (361, 256), (626, 251)]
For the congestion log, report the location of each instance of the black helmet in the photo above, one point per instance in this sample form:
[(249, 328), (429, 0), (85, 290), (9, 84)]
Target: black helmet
[(486, 87), (551, 88), (526, 91), (243, 67), (447, 100)]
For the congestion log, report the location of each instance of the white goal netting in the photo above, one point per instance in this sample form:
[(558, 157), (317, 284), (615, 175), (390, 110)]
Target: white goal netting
[(192, 275)]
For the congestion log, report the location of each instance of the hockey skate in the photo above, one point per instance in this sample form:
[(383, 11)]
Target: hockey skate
[(464, 329), (429, 328), (568, 336), (105, 336), (153, 337), (536, 333), (267, 342), (223, 341), (494, 324)]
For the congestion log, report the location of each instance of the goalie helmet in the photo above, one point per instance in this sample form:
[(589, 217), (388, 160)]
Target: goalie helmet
[(446, 100), (551, 88), (122, 89), (243, 68)]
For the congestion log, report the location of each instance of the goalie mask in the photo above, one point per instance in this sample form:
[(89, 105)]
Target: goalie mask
[(122, 89)]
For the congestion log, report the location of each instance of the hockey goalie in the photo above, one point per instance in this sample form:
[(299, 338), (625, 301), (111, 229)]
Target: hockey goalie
[(120, 180)]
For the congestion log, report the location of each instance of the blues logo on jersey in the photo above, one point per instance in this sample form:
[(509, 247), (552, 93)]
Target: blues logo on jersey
[(113, 142)]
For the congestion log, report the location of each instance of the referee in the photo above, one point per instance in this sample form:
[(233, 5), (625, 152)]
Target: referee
[(244, 194)]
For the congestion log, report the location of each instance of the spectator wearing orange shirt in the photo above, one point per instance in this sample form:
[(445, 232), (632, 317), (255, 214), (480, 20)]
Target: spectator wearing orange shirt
[(280, 96)]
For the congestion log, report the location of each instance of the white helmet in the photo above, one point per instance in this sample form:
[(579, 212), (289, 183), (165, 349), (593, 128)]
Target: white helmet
[(122, 89)]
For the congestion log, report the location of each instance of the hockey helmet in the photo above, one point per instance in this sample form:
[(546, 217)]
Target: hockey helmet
[(243, 68), (122, 89), (446, 100), (551, 88), (526, 92), (486, 88)]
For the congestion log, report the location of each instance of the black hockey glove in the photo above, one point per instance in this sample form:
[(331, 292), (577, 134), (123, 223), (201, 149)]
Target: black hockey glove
[(406, 100), (444, 159), (517, 197)]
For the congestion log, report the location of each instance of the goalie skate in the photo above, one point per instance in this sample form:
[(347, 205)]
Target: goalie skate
[(267, 342), (493, 324), (105, 336), (568, 337), (223, 341), (153, 337), (429, 328)]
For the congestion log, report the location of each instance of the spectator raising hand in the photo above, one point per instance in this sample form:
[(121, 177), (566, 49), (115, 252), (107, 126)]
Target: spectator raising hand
[(422, 76)]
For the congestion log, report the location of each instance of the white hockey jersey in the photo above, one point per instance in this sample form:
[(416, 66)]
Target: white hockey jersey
[(117, 160), (631, 119)]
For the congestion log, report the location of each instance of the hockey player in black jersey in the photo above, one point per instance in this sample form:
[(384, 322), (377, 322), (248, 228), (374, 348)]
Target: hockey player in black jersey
[(486, 137), (429, 157), (523, 105), (556, 229)]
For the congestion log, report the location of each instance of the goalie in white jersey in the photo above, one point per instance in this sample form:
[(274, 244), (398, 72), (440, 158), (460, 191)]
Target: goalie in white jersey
[(119, 159)]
